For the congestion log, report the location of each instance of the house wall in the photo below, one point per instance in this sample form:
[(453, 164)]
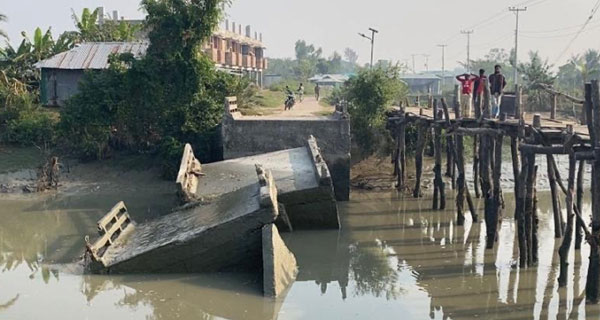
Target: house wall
[(59, 85)]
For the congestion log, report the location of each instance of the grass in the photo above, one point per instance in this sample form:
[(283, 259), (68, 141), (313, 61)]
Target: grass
[(19, 158)]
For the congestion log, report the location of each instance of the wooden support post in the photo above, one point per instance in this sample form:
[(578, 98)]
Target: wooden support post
[(449, 146), (578, 225), (422, 128), (558, 220), (493, 219), (476, 183), (514, 149), (400, 165), (486, 186), (529, 206), (535, 220), (439, 197), (593, 278), (554, 105), (518, 102), (523, 235), (564, 249)]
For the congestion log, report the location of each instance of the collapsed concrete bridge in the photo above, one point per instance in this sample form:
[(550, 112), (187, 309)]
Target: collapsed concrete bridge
[(234, 232), (229, 220), (302, 177)]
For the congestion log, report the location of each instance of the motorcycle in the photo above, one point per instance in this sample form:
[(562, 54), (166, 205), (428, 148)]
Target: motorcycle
[(290, 102)]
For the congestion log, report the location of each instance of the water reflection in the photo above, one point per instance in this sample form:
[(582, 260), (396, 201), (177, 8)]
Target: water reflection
[(393, 257)]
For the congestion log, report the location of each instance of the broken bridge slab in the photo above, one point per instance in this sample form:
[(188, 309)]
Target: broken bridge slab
[(302, 177)]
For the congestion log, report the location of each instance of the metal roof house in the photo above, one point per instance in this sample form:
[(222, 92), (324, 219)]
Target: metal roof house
[(332, 80), (420, 83), (60, 74)]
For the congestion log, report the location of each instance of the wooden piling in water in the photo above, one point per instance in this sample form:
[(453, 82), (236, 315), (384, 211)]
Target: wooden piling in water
[(421, 136), (439, 196), (558, 221), (579, 203), (564, 249), (592, 96)]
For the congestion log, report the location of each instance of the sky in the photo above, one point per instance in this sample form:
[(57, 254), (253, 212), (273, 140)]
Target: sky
[(406, 28)]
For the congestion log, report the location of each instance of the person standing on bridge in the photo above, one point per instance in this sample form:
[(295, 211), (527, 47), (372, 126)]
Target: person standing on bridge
[(466, 99), (478, 87), (497, 84)]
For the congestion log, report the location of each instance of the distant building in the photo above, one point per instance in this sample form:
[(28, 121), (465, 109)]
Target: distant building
[(423, 84), (230, 50), (329, 80), (238, 53), (60, 74)]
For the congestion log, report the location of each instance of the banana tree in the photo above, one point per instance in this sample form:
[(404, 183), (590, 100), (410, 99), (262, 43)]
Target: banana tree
[(87, 25), (2, 33)]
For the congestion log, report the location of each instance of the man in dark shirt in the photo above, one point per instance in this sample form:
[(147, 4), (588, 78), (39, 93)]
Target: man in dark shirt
[(478, 88), (497, 84)]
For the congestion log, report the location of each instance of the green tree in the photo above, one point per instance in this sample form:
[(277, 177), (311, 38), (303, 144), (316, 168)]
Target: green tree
[(369, 94), (536, 73), (351, 55), (90, 30), (172, 96)]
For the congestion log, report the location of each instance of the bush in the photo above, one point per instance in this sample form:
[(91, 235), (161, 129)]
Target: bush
[(31, 127), (369, 94)]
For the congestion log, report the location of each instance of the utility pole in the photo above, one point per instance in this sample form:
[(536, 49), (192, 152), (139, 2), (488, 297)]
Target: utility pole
[(426, 62), (443, 46), (517, 10), (372, 39), (468, 33)]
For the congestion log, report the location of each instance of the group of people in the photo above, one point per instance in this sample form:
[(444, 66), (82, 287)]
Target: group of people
[(291, 97), (472, 87)]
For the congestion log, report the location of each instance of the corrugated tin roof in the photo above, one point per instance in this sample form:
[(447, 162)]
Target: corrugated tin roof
[(92, 55), (420, 77)]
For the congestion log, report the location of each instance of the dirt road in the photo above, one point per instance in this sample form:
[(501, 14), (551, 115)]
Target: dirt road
[(307, 108)]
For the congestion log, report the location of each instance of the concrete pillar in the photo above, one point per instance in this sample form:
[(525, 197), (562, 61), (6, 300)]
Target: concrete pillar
[(226, 25), (233, 27), (115, 15), (248, 31), (240, 29), (260, 37)]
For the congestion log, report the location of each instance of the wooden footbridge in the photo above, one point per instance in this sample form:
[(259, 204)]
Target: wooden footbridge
[(530, 135)]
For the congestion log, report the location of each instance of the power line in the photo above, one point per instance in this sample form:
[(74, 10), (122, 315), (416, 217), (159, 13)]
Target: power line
[(594, 10)]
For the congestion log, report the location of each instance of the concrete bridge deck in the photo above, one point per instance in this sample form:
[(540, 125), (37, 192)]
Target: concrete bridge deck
[(302, 177)]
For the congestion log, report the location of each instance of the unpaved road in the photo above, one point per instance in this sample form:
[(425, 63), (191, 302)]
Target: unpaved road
[(307, 108)]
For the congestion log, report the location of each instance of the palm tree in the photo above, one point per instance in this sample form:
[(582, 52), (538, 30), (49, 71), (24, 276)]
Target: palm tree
[(2, 33)]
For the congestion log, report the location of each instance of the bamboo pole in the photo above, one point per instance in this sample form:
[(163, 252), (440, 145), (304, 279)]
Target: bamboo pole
[(592, 285), (566, 245), (524, 237), (439, 197), (558, 221), (514, 149), (578, 225), (494, 211), (476, 183), (421, 135), (485, 165)]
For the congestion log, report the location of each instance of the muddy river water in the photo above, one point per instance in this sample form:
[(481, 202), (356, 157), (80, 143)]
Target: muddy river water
[(394, 258)]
